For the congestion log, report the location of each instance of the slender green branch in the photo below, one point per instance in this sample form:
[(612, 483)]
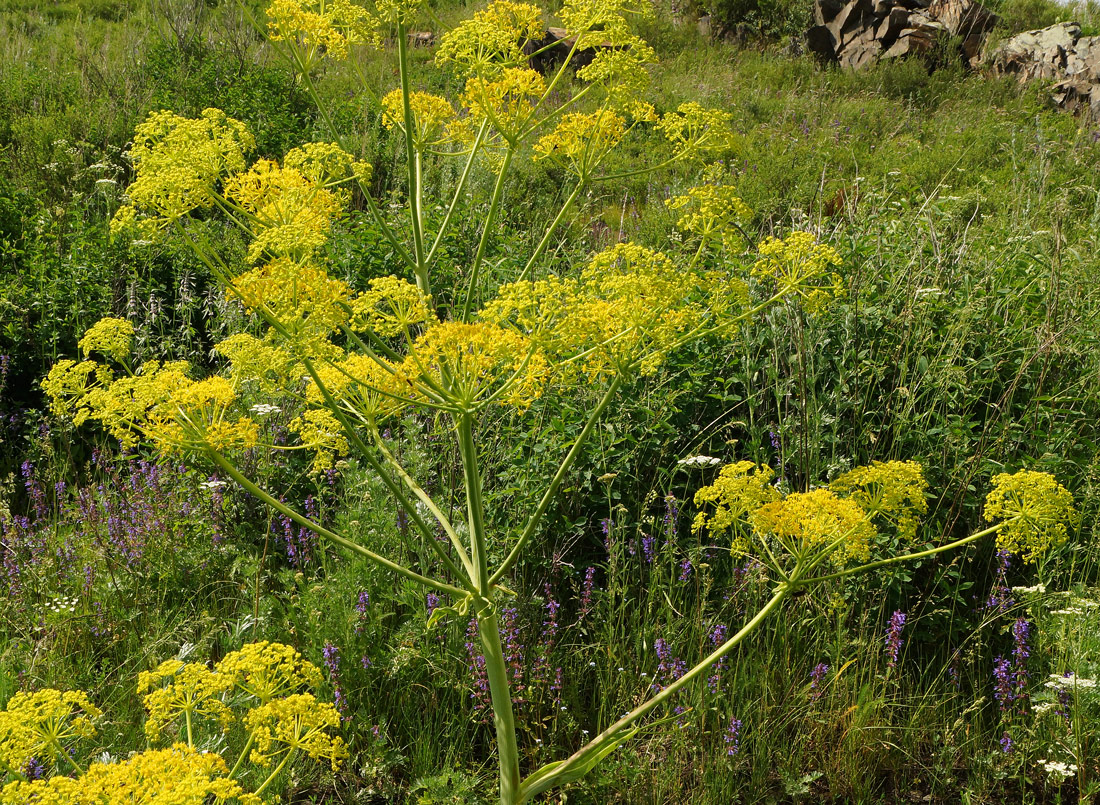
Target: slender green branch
[(475, 503), (243, 754), (458, 192), (282, 765), (905, 557), (552, 489), (250, 487), (415, 215), (550, 231), (546, 778), (490, 219)]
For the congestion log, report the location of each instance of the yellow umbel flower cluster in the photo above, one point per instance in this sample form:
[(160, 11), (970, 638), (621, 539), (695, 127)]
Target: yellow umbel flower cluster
[(580, 141), (696, 131), (391, 307), (492, 39), (111, 337), (622, 71), (430, 114), (739, 490), (315, 28), (602, 22), (41, 724), (804, 523), (190, 689), (507, 99), (1035, 512), (712, 210), (296, 723), (266, 671), (176, 776), (893, 491), (802, 265), (628, 308), (179, 162)]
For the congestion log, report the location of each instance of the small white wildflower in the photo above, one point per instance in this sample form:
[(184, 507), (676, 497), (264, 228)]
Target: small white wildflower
[(263, 409), (1058, 769), (213, 484), (141, 243), (1069, 681), (1070, 611), (921, 292), (1038, 588), (699, 461), (592, 665), (1043, 707)]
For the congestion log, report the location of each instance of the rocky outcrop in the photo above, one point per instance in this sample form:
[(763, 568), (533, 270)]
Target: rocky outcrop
[(855, 33), (1057, 53)]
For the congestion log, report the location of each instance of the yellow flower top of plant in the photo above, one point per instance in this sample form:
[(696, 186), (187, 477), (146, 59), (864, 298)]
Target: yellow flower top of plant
[(192, 690), (892, 490), (391, 306), (739, 490), (492, 39), (1035, 511), (628, 308), (39, 725), (298, 722), (176, 776), (299, 296), (712, 210), (431, 116), (800, 264), (581, 140), (602, 22), (327, 165), (316, 28), (180, 160), (696, 131), (471, 363), (266, 670), (109, 336), (398, 11), (319, 431), (804, 523), (67, 384), (259, 361), (507, 100), (289, 215), (622, 71)]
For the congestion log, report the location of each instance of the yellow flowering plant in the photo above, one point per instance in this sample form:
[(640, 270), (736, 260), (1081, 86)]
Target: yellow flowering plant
[(261, 690), (352, 359)]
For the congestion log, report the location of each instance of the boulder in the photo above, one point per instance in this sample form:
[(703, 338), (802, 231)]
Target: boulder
[(854, 33), (1059, 54)]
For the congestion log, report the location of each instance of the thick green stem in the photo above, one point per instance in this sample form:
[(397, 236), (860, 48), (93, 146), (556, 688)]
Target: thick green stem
[(496, 669), (487, 227), (475, 504)]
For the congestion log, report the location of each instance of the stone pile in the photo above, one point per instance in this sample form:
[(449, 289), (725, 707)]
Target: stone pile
[(856, 33), (1057, 53)]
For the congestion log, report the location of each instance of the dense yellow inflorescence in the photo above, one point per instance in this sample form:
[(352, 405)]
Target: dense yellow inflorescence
[(265, 671), (431, 115), (176, 688), (740, 489), (799, 264), (179, 775), (580, 141), (712, 211), (1035, 512), (297, 722), (315, 28), (893, 491), (492, 39), (42, 725)]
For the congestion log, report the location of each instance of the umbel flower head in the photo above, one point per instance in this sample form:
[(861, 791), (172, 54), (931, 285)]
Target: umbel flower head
[(316, 28), (176, 688), (175, 776), (265, 671), (42, 724), (296, 723), (892, 492), (1035, 512)]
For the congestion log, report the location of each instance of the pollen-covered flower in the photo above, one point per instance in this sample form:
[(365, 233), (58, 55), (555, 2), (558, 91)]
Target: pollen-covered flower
[(289, 215), (806, 522), (473, 362), (299, 296), (176, 776), (492, 39), (41, 724), (327, 165), (109, 336), (602, 22), (1035, 511), (622, 71), (892, 491), (507, 99), (711, 211), (180, 160), (315, 28), (580, 141), (390, 307), (799, 264), (695, 131), (265, 670), (739, 490), (176, 688), (430, 115), (298, 722)]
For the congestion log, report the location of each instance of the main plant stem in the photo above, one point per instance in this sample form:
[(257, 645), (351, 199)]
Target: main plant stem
[(488, 623)]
